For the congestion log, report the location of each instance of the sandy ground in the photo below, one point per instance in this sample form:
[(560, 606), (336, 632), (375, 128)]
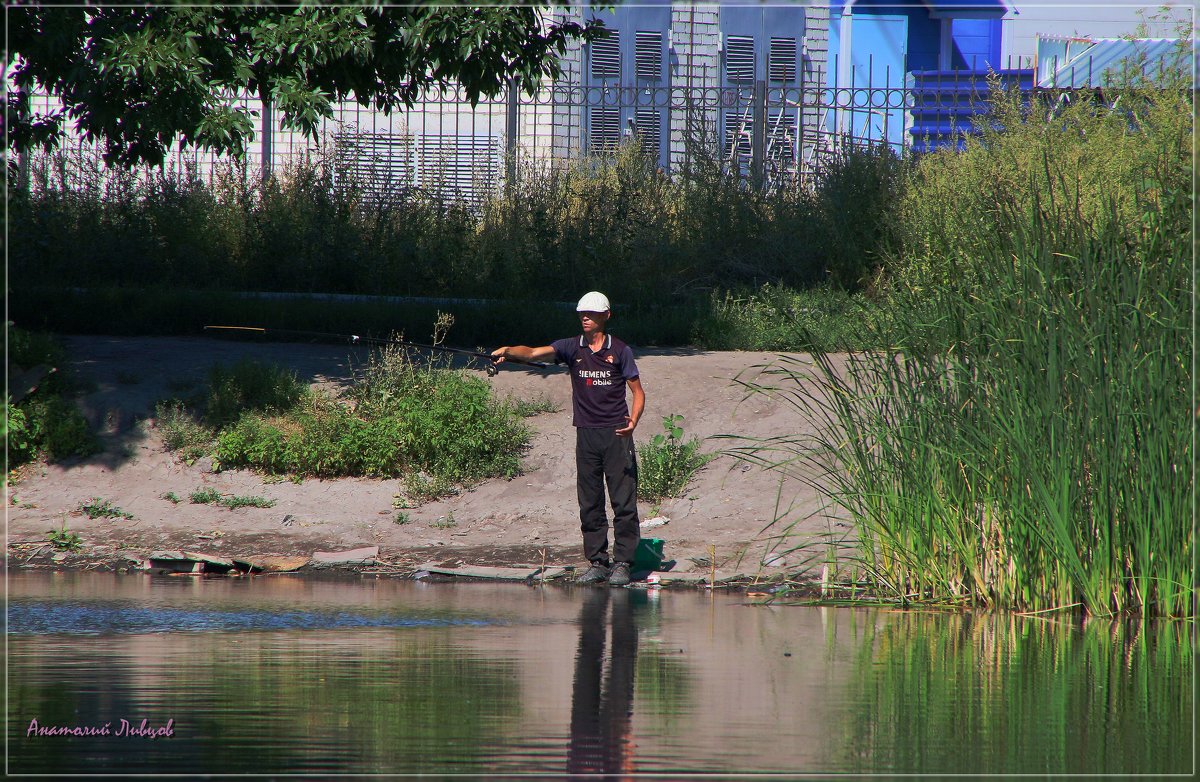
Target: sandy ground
[(730, 508)]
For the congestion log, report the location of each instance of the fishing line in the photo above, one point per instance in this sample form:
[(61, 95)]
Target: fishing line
[(355, 339)]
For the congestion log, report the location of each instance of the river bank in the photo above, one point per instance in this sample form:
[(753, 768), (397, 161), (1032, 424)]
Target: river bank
[(731, 516)]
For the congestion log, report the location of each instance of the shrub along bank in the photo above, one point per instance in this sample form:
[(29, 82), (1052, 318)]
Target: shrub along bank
[(46, 422), (614, 224), (167, 250)]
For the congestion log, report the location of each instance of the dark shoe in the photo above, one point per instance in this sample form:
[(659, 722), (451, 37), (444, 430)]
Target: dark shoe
[(596, 574), (619, 576)]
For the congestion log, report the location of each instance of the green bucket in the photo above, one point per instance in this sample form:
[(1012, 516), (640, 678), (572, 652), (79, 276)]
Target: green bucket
[(649, 554)]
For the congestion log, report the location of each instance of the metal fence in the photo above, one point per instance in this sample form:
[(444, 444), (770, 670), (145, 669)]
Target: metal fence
[(770, 135)]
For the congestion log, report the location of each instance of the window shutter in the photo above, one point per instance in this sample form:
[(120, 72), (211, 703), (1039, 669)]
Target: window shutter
[(647, 54), (604, 128), (649, 129), (739, 58), (606, 57), (782, 60)]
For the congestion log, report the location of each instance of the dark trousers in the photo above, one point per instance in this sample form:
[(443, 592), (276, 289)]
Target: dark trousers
[(603, 457)]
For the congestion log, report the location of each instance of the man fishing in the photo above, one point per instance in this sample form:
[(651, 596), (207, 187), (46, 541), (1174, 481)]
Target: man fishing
[(602, 367)]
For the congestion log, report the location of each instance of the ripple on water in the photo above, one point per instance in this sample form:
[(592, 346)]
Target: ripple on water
[(43, 617)]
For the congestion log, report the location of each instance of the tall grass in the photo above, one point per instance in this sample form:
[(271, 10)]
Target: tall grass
[(1027, 441), (614, 223)]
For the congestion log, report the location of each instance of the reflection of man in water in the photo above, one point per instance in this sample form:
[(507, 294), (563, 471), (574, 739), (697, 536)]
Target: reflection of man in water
[(602, 702)]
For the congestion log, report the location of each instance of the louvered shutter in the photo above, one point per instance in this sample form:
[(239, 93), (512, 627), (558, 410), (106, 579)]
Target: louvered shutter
[(606, 57), (781, 60), (649, 129), (647, 55), (604, 130), (739, 58)]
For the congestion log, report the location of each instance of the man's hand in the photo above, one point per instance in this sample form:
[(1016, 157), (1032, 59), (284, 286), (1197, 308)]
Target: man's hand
[(499, 354), (628, 428)]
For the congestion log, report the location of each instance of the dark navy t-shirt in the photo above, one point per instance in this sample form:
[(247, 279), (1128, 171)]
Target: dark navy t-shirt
[(597, 380)]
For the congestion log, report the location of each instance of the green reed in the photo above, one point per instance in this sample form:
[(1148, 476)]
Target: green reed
[(1026, 442)]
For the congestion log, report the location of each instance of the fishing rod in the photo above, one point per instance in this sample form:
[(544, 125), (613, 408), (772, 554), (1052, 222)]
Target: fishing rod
[(355, 339)]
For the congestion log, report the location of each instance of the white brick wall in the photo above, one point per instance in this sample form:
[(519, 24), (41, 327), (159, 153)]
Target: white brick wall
[(566, 115), (696, 65)]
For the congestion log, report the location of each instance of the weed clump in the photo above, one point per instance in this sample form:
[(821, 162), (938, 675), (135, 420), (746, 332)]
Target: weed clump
[(668, 462), (181, 432), (63, 539), (100, 508), (231, 501), (249, 385)]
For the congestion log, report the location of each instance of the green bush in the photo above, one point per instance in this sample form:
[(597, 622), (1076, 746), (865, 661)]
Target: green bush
[(433, 426), (27, 349), (47, 421), (774, 318), (67, 433), (856, 198), (47, 424), (23, 434), (1088, 166)]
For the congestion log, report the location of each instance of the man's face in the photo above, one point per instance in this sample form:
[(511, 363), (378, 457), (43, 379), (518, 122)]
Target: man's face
[(593, 321)]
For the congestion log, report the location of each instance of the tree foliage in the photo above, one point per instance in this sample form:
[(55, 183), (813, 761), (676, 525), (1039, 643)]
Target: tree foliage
[(136, 78)]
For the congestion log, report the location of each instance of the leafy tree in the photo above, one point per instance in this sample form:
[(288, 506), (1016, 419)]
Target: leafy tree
[(135, 78)]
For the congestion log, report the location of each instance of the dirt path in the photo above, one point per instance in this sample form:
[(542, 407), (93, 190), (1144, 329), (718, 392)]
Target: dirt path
[(730, 506)]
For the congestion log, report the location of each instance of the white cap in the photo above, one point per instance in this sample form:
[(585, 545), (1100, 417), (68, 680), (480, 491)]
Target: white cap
[(593, 301)]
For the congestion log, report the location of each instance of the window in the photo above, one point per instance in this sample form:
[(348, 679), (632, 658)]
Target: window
[(782, 60), (459, 166), (376, 162), (649, 130), (606, 57), (781, 136), (739, 58), (648, 55), (604, 128), (738, 133)]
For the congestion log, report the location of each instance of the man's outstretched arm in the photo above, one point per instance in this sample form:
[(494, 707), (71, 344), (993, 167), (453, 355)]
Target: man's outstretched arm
[(522, 353)]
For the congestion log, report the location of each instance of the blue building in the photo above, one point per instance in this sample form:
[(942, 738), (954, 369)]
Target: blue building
[(665, 63), (875, 45)]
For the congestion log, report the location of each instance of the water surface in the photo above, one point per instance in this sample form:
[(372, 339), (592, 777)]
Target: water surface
[(286, 674)]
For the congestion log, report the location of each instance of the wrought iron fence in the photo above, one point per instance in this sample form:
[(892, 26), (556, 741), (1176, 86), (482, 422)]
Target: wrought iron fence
[(767, 134)]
